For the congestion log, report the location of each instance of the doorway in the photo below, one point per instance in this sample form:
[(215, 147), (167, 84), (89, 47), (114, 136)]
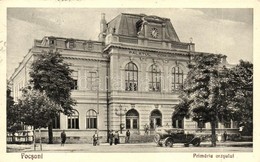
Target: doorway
[(155, 119)]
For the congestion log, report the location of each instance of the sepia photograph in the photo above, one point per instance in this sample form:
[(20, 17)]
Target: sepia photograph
[(129, 80)]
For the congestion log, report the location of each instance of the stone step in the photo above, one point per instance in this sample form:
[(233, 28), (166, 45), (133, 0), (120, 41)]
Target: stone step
[(141, 138)]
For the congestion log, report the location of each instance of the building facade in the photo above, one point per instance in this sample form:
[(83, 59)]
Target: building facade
[(129, 79)]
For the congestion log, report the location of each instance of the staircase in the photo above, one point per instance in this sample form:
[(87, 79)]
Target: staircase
[(141, 138)]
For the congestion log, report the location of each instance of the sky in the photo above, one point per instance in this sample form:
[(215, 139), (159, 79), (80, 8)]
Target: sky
[(225, 31)]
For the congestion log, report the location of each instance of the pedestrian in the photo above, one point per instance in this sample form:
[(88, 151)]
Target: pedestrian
[(95, 138), (116, 136), (110, 137), (63, 137), (146, 128), (127, 136), (241, 129), (225, 136)]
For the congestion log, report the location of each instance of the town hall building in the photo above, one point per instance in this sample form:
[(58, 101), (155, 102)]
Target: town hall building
[(129, 79)]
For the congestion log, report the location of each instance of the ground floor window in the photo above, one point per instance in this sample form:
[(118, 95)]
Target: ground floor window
[(201, 124), (56, 122), (73, 120), (177, 123), (227, 124), (91, 119)]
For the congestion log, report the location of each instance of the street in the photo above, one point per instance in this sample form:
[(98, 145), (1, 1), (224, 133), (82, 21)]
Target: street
[(133, 148)]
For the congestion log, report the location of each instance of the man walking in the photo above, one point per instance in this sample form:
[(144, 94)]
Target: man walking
[(127, 136), (110, 137), (63, 138), (95, 139)]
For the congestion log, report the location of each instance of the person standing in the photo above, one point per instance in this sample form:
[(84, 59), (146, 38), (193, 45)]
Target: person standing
[(63, 137), (95, 139), (225, 136), (116, 138), (146, 129), (127, 136), (110, 137)]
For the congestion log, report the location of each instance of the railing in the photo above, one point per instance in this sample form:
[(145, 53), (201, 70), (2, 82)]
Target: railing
[(19, 139)]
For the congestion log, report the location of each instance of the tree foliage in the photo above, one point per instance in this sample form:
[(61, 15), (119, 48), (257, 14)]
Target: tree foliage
[(213, 93), (240, 88), (36, 108), (200, 97), (50, 74), (13, 114)]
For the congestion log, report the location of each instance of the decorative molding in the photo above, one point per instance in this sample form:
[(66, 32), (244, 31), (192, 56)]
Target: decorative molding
[(177, 63), (120, 46), (80, 58), (142, 59)]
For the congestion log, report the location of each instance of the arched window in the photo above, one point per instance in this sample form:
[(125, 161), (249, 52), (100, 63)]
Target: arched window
[(177, 78), (91, 119), (73, 120), (154, 78), (155, 119), (132, 119), (131, 77)]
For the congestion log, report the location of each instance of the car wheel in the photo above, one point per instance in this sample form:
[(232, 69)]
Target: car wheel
[(157, 138), (159, 144), (196, 142), (168, 143)]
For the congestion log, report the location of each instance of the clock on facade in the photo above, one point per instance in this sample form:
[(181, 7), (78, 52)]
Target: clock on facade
[(154, 33)]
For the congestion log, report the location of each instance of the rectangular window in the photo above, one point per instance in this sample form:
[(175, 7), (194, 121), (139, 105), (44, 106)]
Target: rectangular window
[(227, 124), (91, 123), (73, 123), (75, 84), (56, 122), (201, 124), (92, 80), (75, 80)]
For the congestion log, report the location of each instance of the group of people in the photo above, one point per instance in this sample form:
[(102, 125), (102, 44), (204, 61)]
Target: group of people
[(113, 138)]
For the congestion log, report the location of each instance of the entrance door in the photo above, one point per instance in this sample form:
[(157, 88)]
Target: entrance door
[(155, 119), (132, 123), (132, 119)]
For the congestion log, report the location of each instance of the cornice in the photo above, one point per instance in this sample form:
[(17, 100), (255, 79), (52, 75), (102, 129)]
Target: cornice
[(88, 59), (147, 49)]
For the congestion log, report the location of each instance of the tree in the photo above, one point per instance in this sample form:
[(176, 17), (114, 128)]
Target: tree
[(37, 109), (50, 74), (13, 115), (240, 83), (201, 97)]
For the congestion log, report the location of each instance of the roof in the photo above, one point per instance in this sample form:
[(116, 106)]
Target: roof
[(126, 24)]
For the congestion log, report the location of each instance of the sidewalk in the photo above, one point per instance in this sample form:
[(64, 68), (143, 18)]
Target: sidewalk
[(89, 147)]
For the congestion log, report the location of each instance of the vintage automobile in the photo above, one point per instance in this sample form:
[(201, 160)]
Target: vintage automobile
[(168, 136)]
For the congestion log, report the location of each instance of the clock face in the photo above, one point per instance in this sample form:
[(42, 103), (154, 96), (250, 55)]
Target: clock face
[(154, 33)]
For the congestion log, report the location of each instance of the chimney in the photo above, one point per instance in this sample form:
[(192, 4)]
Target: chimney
[(103, 23), (224, 60)]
